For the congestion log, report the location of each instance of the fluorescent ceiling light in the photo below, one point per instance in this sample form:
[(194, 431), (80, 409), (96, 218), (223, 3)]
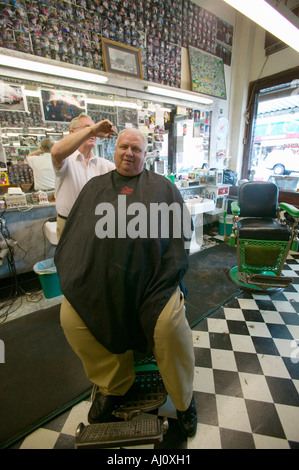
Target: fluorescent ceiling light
[(100, 102), (120, 104), (43, 128), (127, 104), (269, 18), (178, 94), (48, 69), (34, 93)]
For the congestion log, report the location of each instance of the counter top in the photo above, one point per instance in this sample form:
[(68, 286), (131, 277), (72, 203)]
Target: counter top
[(29, 207)]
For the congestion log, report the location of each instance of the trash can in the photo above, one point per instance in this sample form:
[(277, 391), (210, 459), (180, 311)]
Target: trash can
[(229, 224), (48, 277)]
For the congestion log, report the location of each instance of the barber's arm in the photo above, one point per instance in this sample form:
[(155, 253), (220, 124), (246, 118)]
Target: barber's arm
[(66, 146), (36, 152)]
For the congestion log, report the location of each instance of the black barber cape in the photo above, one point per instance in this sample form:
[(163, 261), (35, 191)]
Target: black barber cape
[(120, 284)]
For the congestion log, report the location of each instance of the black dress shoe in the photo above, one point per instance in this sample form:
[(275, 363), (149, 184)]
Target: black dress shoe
[(188, 420), (102, 408)]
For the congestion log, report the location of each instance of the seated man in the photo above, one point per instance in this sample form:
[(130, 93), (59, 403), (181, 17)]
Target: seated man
[(120, 274)]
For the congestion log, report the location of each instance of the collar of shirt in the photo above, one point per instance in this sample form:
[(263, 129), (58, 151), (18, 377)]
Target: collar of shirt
[(81, 157)]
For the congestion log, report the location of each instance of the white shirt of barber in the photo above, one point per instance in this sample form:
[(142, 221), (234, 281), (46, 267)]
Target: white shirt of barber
[(73, 175)]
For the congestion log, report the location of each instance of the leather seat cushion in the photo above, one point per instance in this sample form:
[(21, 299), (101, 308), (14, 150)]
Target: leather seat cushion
[(263, 229)]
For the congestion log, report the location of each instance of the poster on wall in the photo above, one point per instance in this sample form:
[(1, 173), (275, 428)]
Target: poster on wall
[(61, 105), (207, 73), (12, 98), (28, 140), (127, 117)]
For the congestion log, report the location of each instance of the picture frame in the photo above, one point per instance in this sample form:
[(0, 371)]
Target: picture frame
[(127, 117), (12, 98), (121, 59), (61, 105), (28, 140), (207, 73)]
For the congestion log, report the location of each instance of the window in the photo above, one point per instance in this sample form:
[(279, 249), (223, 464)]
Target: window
[(273, 126)]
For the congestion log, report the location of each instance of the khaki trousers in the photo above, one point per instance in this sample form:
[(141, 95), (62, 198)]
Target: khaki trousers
[(114, 373), (60, 226)]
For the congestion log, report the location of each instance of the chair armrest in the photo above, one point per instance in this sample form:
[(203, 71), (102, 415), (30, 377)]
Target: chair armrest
[(235, 208), (289, 208)]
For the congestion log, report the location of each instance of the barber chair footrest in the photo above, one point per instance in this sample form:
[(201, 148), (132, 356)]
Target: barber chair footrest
[(117, 434), (265, 282)]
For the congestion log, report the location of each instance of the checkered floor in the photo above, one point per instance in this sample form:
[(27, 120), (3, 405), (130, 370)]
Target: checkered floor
[(246, 383)]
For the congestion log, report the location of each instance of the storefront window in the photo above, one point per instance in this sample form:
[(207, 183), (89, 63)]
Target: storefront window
[(272, 152)]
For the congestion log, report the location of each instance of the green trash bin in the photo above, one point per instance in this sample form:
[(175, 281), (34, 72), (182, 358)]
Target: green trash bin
[(229, 224), (48, 277)]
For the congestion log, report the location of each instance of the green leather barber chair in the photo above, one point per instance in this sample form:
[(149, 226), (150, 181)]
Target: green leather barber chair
[(264, 231)]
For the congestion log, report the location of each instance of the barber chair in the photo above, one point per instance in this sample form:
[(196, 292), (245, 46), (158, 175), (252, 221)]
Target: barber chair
[(49, 230), (129, 424), (264, 232)]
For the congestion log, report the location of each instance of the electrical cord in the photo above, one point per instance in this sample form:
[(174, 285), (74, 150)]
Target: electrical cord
[(16, 291)]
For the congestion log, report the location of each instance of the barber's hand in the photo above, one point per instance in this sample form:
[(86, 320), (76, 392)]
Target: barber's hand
[(105, 129)]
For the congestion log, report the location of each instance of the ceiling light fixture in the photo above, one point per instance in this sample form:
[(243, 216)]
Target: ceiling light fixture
[(120, 104), (178, 94), (49, 69), (270, 18)]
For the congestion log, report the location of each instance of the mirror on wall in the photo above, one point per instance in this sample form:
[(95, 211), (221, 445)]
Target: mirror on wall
[(192, 134), (30, 112)]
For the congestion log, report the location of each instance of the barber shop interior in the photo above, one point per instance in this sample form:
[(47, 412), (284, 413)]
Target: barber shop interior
[(149, 211)]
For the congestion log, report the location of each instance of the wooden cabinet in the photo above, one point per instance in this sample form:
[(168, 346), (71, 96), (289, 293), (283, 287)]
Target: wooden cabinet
[(290, 197)]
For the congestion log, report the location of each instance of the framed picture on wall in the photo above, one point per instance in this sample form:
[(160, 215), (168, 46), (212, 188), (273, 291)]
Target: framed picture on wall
[(12, 98), (207, 73), (127, 117), (121, 59), (62, 105), (28, 140)]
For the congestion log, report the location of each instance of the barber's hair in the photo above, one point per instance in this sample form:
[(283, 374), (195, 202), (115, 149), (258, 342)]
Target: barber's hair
[(136, 131), (46, 145), (76, 119)]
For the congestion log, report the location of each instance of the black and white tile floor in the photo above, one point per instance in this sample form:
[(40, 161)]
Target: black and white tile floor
[(246, 383)]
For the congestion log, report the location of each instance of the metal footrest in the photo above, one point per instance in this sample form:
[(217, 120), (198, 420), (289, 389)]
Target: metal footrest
[(265, 282), (117, 434), (147, 393)]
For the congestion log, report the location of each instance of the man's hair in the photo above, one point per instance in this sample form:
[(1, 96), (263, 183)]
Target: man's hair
[(46, 145), (136, 131), (76, 119)]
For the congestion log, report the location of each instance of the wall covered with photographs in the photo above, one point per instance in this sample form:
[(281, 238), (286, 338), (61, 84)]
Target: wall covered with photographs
[(71, 31)]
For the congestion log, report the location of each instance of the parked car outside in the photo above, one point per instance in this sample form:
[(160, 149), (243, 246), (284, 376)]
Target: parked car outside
[(282, 162)]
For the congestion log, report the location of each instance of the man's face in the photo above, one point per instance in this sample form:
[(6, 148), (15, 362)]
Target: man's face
[(81, 124), (129, 153)]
